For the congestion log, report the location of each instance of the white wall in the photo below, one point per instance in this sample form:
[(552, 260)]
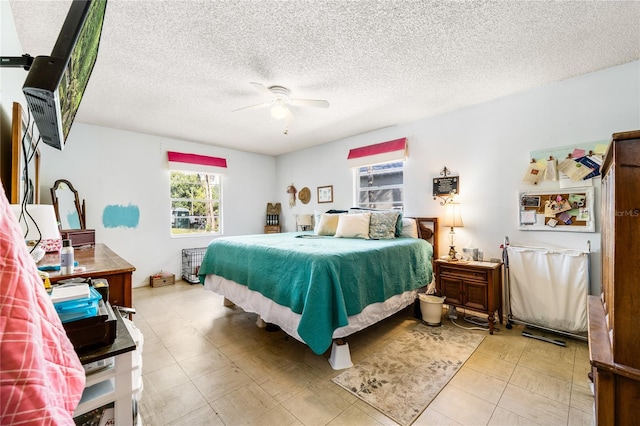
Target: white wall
[(114, 167), (11, 79), (488, 146)]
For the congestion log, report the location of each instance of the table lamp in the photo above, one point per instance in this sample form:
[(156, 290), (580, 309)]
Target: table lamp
[(452, 219), (304, 221), (39, 228)]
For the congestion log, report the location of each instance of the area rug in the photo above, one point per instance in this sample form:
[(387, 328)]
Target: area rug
[(402, 379)]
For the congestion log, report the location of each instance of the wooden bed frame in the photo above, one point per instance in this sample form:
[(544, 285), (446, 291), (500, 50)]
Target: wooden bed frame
[(428, 230)]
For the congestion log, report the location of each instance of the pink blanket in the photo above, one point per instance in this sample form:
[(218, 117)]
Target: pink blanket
[(41, 377)]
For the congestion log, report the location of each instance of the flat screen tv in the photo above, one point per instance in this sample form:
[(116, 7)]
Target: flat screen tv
[(55, 84)]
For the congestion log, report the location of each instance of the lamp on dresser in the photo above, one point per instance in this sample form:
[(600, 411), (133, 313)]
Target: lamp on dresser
[(39, 227), (453, 220)]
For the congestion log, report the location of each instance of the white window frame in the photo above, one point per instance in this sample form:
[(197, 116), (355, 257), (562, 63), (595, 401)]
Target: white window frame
[(357, 172), (196, 228)]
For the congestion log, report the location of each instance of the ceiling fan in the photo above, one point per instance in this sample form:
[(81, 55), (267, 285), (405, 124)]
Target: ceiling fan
[(280, 101)]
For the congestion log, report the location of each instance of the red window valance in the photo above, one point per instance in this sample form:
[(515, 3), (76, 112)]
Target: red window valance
[(203, 160), (383, 152)]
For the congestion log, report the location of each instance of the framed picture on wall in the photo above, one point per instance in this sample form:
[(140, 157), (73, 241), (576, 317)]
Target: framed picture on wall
[(25, 159), (325, 194)]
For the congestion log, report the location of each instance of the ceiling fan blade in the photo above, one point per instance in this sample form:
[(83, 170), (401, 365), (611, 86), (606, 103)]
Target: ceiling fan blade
[(262, 105), (261, 87), (316, 103)]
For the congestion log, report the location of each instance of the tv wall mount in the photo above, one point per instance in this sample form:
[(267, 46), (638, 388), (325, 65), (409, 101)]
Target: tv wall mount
[(23, 61)]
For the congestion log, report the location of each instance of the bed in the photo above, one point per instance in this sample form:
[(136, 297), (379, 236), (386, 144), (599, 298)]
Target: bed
[(318, 288)]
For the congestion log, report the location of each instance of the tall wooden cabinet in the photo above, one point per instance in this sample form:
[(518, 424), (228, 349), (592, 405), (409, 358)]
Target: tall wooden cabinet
[(614, 333)]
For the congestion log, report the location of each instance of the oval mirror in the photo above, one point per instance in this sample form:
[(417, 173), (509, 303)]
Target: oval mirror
[(67, 205)]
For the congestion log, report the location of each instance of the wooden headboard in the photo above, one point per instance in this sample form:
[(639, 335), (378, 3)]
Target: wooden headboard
[(428, 231)]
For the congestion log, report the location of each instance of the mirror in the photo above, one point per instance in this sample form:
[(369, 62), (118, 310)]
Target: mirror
[(67, 205)]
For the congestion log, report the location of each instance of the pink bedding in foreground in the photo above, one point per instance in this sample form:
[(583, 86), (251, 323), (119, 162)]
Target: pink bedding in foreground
[(41, 377)]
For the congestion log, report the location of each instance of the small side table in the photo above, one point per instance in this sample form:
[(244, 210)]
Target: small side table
[(476, 286)]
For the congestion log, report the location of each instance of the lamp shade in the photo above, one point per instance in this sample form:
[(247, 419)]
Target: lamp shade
[(452, 216), (41, 214), (304, 220)]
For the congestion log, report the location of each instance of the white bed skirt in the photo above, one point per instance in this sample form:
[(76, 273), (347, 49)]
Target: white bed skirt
[(287, 320)]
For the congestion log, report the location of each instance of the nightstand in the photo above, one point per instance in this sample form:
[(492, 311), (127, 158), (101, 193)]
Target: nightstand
[(476, 286)]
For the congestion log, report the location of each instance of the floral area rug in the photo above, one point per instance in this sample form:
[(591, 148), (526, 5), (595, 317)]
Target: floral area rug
[(403, 378)]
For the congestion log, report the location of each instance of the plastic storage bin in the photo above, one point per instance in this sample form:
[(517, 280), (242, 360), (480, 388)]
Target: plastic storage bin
[(72, 310)]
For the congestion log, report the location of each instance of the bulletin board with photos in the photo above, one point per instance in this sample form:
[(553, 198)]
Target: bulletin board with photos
[(568, 209), (569, 166)]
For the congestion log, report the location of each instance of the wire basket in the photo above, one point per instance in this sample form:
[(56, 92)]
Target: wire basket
[(191, 261)]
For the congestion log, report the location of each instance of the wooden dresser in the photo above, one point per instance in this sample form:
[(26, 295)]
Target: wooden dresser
[(614, 334), (99, 261)]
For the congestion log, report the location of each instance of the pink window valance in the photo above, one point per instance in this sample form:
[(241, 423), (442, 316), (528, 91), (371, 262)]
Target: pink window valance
[(196, 162), (395, 150)]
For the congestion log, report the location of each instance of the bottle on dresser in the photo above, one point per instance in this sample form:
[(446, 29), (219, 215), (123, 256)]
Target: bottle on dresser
[(66, 258)]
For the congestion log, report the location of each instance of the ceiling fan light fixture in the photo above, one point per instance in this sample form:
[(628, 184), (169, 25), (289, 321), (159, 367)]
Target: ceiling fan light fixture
[(279, 111)]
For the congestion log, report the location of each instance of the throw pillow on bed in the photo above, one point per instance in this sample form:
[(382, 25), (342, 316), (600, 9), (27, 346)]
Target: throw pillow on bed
[(383, 225), (398, 230), (409, 228), (316, 219), (327, 224), (353, 226)]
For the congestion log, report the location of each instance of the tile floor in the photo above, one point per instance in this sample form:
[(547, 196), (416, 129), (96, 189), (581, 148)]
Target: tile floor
[(204, 364)]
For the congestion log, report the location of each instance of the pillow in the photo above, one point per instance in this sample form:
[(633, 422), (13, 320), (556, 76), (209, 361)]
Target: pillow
[(398, 223), (353, 226), (317, 215), (327, 225), (383, 225), (409, 228), (316, 219)]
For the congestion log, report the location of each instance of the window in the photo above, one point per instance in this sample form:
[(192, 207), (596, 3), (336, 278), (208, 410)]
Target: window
[(195, 203), (380, 186)]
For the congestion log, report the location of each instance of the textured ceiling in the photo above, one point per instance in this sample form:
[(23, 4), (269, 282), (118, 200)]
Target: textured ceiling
[(178, 68)]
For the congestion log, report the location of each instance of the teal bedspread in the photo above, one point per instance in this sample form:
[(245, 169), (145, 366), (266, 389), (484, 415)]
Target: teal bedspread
[(324, 279)]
